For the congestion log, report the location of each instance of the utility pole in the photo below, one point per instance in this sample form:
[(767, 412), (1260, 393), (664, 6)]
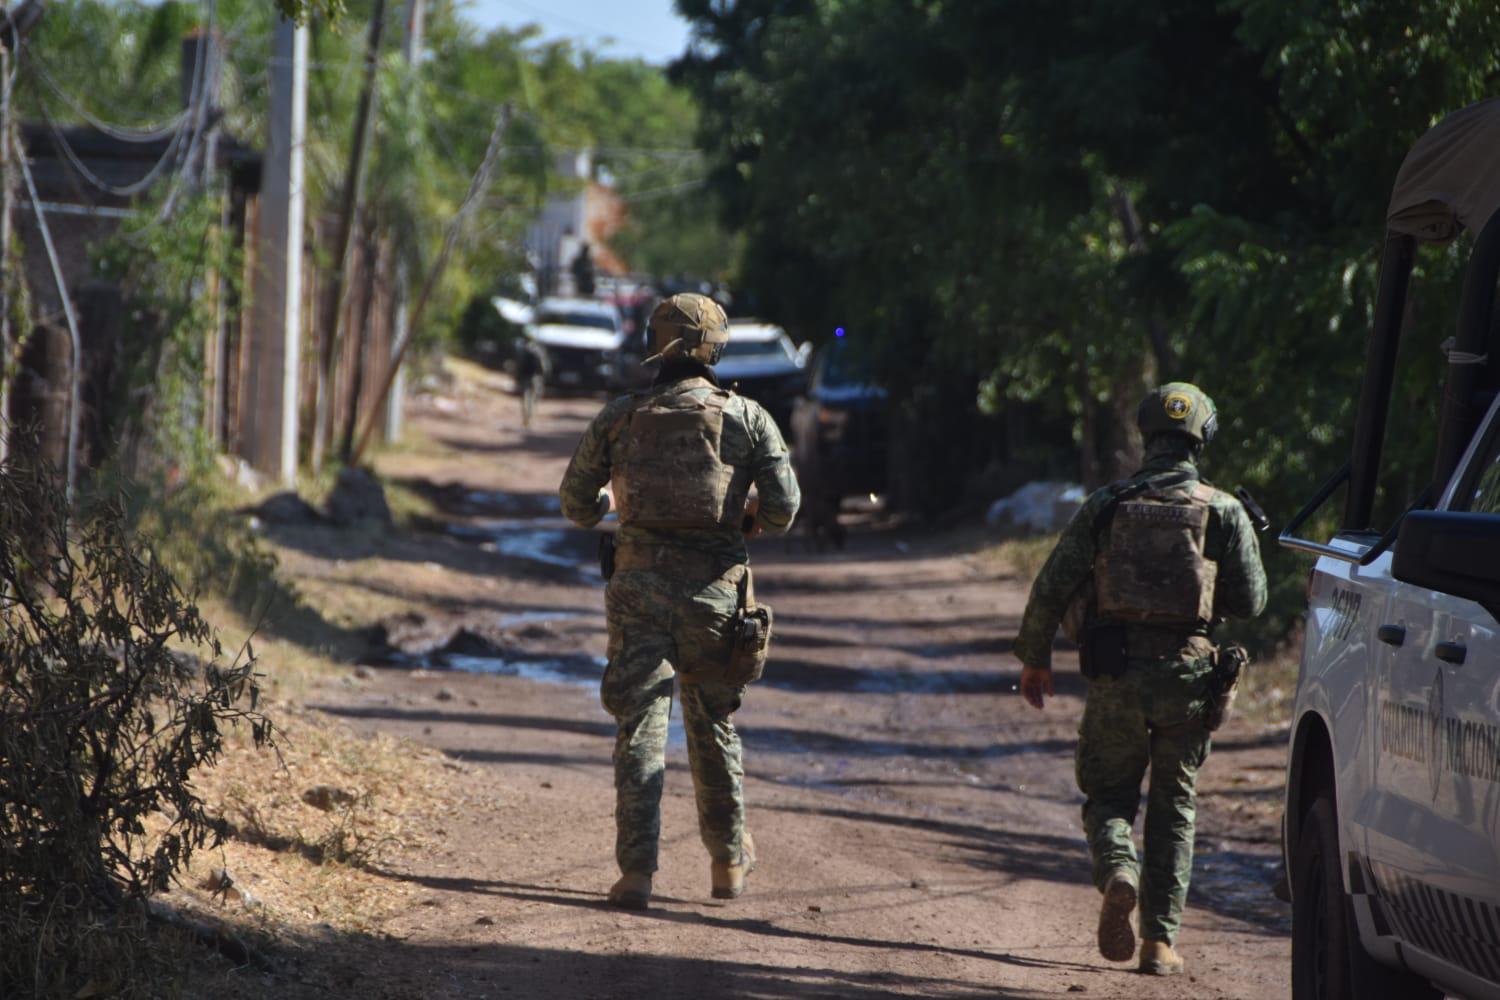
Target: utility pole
[(354, 185), (411, 50), (276, 343)]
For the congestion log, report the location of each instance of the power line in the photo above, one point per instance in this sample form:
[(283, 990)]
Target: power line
[(125, 133), (191, 123), (125, 191), (663, 192)]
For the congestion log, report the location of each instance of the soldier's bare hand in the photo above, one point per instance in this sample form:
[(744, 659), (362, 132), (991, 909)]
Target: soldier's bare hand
[(1036, 682), (750, 525)]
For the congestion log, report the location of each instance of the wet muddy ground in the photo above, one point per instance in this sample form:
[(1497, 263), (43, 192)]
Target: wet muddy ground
[(917, 823)]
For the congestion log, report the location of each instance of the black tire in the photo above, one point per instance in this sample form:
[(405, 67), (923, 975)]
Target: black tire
[(1328, 962)]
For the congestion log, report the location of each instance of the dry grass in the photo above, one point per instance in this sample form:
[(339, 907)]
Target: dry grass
[(307, 869), (1269, 687), (1022, 556)]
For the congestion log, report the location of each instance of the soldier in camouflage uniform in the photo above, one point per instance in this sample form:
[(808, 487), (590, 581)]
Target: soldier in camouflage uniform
[(1149, 565), (680, 458)]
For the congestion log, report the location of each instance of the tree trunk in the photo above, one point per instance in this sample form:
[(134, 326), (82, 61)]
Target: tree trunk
[(1089, 468)]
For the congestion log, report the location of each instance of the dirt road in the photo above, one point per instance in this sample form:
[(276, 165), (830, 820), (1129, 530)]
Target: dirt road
[(918, 825)]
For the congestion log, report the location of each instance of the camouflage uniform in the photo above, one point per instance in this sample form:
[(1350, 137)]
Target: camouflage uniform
[(668, 606), (1152, 714)]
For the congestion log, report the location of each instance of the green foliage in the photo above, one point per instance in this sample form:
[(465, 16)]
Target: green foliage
[(113, 692), (172, 272), (302, 10), (1073, 200)]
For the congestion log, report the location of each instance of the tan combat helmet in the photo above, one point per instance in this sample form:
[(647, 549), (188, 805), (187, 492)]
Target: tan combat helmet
[(1178, 408), (689, 325)]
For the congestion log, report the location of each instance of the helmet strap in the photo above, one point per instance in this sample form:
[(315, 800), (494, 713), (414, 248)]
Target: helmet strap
[(661, 354)]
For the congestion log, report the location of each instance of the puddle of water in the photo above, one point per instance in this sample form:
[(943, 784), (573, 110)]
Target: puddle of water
[(489, 501), (550, 541), (536, 617), (580, 671), (1239, 882)]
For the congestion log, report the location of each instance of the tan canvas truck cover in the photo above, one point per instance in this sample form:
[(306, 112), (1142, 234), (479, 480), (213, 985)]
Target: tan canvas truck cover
[(1451, 178)]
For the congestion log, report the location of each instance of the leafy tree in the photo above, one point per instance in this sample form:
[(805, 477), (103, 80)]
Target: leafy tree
[(302, 10), (1073, 199)]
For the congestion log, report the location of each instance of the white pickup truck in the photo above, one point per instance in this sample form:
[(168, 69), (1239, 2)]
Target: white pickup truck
[(1392, 821)]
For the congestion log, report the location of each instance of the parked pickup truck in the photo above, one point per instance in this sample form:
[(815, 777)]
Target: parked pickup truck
[(585, 340), (1392, 821)]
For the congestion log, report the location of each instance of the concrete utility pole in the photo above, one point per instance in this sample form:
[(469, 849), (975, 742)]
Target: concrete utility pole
[(411, 49), (276, 343)]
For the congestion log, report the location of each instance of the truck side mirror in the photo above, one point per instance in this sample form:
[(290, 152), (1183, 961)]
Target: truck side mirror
[(1452, 553)]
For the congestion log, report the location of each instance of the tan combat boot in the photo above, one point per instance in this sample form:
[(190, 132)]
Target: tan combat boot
[(1116, 936), (1159, 959), (729, 879), (631, 892)]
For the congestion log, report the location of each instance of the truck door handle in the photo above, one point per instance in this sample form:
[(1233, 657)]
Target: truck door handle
[(1391, 635), (1451, 652)]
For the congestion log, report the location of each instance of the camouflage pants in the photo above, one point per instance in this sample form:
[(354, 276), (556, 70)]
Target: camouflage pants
[(1150, 715), (658, 620)]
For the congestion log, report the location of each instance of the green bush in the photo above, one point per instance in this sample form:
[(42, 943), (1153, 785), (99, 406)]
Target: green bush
[(113, 691)]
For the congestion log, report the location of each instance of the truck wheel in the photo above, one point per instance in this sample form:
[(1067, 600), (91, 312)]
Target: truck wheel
[(1328, 962)]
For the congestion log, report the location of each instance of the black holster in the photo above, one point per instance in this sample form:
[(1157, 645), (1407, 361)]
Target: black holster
[(1104, 651), (606, 556), (1229, 662)]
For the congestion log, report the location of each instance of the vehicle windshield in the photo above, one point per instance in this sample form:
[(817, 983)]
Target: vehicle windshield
[(594, 320), (764, 350)]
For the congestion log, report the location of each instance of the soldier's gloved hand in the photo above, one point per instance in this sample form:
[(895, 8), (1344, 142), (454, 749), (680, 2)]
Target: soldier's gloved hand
[(1035, 682)]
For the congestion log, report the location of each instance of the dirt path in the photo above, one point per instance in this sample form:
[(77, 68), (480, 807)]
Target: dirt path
[(918, 826)]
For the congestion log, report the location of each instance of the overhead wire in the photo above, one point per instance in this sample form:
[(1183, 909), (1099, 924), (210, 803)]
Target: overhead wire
[(125, 133), (119, 191), (190, 124)]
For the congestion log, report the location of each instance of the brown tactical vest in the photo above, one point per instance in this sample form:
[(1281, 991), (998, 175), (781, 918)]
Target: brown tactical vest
[(668, 472), (1153, 571)]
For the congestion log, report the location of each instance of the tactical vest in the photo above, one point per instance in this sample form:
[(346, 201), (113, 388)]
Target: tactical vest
[(1153, 570), (668, 471)]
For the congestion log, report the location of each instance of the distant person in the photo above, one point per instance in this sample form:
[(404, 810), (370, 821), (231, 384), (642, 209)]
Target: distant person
[(1152, 563), (532, 368), (681, 456), (583, 272)]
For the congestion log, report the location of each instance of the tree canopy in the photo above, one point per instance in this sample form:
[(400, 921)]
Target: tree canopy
[(1053, 204)]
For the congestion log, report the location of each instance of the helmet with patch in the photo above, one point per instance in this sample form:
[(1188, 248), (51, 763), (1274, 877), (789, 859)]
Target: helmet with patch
[(689, 325), (1178, 408)]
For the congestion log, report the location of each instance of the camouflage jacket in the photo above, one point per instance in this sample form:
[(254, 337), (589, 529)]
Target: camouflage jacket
[(750, 440), (1240, 589)]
